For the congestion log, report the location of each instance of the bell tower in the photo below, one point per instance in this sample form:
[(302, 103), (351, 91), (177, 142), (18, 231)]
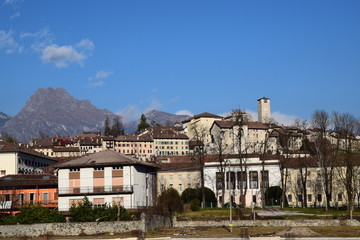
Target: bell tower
[(264, 110)]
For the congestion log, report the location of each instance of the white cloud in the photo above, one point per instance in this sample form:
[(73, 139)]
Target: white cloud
[(102, 74), (15, 15), (225, 114), (61, 56), (13, 3), (129, 113), (154, 104), (184, 112), (98, 80), (8, 43), (41, 39), (86, 44), (133, 112), (175, 99), (284, 119)]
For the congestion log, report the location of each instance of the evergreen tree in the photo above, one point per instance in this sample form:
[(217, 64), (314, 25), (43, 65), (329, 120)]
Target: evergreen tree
[(117, 128), (143, 124), (107, 129)]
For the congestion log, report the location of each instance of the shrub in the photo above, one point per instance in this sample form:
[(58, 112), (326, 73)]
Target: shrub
[(34, 214), (86, 212), (195, 204), (188, 195), (192, 193), (169, 202)]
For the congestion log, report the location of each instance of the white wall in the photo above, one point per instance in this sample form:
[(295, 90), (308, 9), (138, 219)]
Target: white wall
[(254, 165)]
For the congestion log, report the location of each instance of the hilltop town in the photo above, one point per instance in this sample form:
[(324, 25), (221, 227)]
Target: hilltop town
[(245, 163)]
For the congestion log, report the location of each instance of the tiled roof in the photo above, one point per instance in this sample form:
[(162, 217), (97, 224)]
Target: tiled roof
[(250, 125), (135, 138), (6, 147), (178, 164), (202, 115), (103, 158), (225, 124), (20, 181), (41, 143), (257, 125), (166, 133), (66, 149), (265, 98), (96, 141)]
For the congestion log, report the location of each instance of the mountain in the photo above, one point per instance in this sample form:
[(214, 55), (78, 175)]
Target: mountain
[(54, 112), (164, 118), (4, 118)]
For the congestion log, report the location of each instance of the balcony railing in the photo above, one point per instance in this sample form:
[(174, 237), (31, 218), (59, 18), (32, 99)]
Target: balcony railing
[(96, 190)]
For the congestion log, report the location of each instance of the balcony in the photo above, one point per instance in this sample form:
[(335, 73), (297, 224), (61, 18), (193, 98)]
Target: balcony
[(117, 189)]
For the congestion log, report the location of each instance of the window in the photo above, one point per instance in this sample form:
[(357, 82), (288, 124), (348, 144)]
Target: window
[(254, 198), (309, 196), (74, 169), (99, 202), (98, 169), (171, 185), (7, 197), (21, 199), (340, 197), (308, 183), (242, 179), (300, 198), (265, 179), (171, 177), (254, 180), (230, 181), (32, 198), (180, 187), (219, 180), (289, 198), (319, 197), (45, 198), (117, 168)]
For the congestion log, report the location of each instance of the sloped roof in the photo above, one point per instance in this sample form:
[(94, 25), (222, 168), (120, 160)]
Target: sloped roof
[(6, 147), (103, 158), (29, 180), (146, 137), (202, 115), (66, 149)]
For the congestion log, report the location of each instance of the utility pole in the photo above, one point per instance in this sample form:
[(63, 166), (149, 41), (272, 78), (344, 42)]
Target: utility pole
[(230, 199)]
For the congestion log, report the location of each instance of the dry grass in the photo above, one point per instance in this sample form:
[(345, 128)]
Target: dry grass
[(206, 232)]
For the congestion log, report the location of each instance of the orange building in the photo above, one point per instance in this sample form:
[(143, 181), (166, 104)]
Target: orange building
[(24, 189)]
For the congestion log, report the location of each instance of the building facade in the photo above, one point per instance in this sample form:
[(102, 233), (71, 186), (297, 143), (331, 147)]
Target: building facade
[(107, 177)]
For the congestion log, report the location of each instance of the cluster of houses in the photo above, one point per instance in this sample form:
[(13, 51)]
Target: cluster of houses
[(242, 161)]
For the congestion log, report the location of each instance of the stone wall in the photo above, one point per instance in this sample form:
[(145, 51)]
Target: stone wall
[(267, 223), (147, 223)]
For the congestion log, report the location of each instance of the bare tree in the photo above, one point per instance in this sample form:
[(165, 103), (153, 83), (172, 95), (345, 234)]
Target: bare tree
[(321, 122), (303, 164), (346, 155), (240, 118), (220, 148), (200, 152)]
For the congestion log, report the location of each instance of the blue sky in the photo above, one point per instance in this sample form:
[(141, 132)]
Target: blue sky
[(184, 56)]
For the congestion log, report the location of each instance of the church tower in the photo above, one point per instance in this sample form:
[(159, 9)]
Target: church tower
[(264, 110)]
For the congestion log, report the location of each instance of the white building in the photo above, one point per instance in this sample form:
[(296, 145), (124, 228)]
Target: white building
[(250, 174), (107, 177), (16, 159)]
